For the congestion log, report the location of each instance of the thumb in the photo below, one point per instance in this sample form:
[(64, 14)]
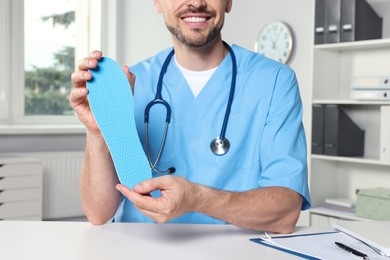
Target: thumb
[(130, 76), (158, 183)]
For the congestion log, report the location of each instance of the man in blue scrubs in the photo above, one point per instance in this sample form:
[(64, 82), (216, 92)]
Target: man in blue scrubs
[(261, 183)]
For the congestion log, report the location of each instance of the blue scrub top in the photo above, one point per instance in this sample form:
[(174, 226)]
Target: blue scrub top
[(268, 144)]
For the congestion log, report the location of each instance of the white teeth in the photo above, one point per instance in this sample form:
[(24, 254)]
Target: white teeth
[(195, 19)]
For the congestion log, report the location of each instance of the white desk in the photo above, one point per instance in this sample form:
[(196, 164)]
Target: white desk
[(81, 240)]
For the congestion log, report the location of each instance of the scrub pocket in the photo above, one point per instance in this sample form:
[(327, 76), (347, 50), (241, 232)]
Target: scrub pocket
[(243, 131)]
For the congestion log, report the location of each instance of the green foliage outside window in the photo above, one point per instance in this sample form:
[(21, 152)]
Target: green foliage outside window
[(47, 89)]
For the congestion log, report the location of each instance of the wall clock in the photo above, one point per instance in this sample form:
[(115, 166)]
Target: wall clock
[(276, 41)]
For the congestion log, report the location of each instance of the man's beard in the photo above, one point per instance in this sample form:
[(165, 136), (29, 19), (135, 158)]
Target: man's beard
[(197, 40)]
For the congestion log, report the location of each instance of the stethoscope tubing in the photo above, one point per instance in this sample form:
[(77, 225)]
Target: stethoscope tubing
[(159, 100), (231, 94), (153, 165)]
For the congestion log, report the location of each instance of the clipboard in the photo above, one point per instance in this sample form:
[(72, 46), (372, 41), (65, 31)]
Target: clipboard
[(264, 242), (318, 246), (372, 233)]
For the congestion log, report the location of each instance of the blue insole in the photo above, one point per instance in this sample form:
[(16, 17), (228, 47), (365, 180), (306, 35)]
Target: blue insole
[(112, 105)]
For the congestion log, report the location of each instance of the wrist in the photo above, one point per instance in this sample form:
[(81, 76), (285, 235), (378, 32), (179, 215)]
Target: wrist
[(94, 136), (210, 201), (198, 196), (204, 198), (95, 141)]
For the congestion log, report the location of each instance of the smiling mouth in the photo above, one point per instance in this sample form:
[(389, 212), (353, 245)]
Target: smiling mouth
[(196, 16), (194, 19)]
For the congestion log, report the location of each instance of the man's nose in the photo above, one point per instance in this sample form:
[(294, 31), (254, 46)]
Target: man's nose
[(197, 3)]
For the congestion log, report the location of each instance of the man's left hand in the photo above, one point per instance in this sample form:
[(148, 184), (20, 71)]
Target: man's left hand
[(178, 197)]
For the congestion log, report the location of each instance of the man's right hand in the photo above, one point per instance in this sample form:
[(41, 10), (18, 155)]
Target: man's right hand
[(78, 96)]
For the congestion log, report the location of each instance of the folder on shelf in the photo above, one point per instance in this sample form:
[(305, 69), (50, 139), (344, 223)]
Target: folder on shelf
[(345, 21), (359, 21), (333, 16), (320, 22), (385, 133), (371, 82), (342, 137), (370, 87), (317, 138)]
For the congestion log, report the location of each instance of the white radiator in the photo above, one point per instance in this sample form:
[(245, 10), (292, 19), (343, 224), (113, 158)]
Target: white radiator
[(61, 185)]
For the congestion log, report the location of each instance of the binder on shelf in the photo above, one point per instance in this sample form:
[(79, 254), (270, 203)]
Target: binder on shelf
[(385, 134), (342, 137), (317, 138), (333, 17), (320, 22), (375, 94), (359, 21), (371, 82), (370, 87), (345, 21)]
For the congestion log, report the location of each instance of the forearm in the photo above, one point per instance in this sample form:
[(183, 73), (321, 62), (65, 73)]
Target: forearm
[(274, 209), (98, 178)]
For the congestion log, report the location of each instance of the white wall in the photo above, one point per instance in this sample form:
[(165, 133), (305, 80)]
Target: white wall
[(144, 31)]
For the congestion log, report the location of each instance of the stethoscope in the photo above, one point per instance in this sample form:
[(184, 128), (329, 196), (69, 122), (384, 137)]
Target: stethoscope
[(219, 145)]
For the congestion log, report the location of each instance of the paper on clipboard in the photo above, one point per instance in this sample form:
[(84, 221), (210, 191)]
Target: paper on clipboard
[(318, 246), (373, 233)]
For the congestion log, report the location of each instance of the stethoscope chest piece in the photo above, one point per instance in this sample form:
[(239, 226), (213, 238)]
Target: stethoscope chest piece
[(220, 146)]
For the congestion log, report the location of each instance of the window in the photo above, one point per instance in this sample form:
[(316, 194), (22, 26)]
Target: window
[(40, 40), (49, 48)]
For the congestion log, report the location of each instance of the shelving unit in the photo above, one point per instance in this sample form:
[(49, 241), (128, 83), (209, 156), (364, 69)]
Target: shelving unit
[(357, 160), (20, 188), (336, 176)]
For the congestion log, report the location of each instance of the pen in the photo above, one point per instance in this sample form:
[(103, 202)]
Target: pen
[(351, 250)]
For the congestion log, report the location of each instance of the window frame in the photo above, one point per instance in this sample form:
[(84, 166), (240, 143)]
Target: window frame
[(5, 45), (12, 85)]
